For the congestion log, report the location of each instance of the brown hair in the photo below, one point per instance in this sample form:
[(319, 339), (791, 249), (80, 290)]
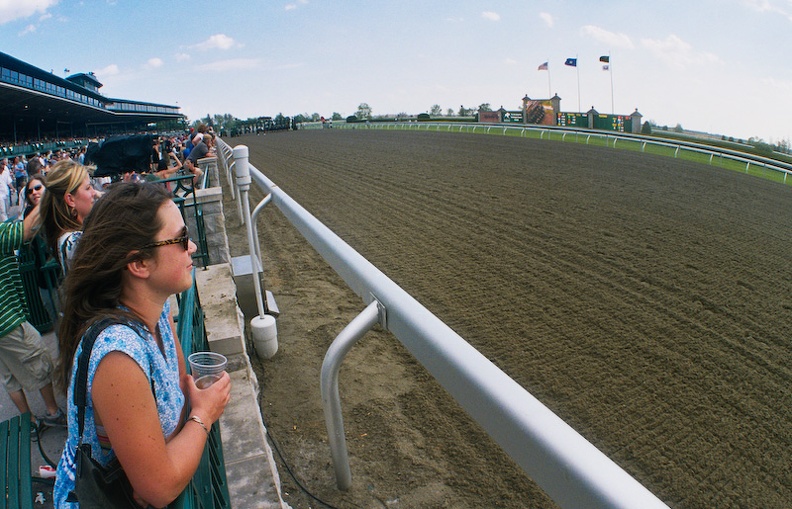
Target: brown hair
[(120, 223)]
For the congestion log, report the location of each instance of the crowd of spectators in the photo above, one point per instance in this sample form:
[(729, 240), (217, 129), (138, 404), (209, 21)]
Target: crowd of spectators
[(49, 198), (66, 144), (17, 171), (170, 155)]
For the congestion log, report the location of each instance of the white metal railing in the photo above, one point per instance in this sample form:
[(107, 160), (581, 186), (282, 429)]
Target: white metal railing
[(610, 139), (565, 465)]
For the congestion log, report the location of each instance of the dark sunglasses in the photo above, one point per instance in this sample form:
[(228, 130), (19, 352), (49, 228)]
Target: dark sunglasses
[(34, 188), (184, 240)]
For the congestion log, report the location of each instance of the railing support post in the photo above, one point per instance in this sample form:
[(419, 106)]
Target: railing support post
[(331, 401), (263, 327)]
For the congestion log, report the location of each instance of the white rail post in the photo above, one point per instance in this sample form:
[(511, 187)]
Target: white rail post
[(263, 327)]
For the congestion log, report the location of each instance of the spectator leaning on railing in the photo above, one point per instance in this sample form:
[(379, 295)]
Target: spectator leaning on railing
[(134, 255), (24, 360), (203, 149)]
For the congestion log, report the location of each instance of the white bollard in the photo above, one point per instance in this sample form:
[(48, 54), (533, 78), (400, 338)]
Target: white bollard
[(265, 335)]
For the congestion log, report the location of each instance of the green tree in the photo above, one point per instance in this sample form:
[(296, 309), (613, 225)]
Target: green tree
[(646, 128), (363, 111), (436, 111), (485, 107), (449, 112), (336, 116)]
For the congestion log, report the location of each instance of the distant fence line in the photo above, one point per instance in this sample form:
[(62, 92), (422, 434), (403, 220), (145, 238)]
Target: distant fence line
[(563, 463), (753, 164)]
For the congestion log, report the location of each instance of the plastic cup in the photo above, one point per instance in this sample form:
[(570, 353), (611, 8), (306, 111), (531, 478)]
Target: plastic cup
[(207, 367)]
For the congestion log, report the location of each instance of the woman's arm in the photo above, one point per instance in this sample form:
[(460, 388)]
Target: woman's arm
[(125, 406)]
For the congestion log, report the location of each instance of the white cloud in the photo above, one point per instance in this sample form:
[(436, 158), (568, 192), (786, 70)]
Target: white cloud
[(28, 30), (677, 53), (510, 61), (610, 39), (181, 57), (291, 7), (771, 6), (45, 16), (547, 18), (154, 63), (110, 70), (492, 16), (11, 10), (217, 41), (229, 65), (783, 86)]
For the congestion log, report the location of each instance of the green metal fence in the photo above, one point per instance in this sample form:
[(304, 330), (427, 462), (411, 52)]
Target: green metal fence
[(209, 487), (40, 278)]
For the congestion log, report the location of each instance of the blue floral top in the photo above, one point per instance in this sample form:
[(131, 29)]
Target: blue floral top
[(163, 371)]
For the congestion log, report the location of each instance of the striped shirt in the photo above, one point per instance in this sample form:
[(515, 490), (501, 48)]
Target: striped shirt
[(13, 304)]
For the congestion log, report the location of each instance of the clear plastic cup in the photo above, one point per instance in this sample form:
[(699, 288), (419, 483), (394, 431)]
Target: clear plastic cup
[(207, 367)]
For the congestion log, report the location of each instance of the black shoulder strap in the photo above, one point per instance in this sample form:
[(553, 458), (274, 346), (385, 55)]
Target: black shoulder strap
[(81, 376)]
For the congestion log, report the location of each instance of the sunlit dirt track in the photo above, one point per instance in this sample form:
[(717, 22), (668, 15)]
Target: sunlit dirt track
[(646, 301)]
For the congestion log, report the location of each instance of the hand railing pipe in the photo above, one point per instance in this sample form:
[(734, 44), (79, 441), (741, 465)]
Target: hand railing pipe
[(331, 401), (257, 243)]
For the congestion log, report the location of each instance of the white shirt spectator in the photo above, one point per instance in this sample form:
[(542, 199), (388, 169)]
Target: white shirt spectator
[(6, 181)]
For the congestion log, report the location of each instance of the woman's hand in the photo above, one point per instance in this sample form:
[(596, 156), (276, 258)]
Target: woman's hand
[(208, 403)]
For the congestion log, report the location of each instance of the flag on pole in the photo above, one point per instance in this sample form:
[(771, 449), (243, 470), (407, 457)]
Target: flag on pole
[(542, 67), (605, 58), (606, 67), (572, 62)]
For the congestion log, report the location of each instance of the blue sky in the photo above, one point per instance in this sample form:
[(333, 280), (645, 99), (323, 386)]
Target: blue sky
[(719, 66)]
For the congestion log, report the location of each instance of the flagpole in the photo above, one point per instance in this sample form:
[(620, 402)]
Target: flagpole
[(577, 69), (610, 70), (549, 88)]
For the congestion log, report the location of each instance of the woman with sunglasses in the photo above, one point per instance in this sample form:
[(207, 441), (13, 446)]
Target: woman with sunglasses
[(133, 255), (68, 200), (33, 192)]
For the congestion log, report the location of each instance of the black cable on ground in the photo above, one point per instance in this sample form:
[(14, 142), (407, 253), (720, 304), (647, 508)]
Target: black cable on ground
[(39, 432), (288, 469)]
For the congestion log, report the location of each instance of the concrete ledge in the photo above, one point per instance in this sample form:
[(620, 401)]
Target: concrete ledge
[(250, 467), (252, 474), (224, 322)]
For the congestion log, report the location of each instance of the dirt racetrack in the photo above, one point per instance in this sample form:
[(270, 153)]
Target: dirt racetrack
[(647, 301)]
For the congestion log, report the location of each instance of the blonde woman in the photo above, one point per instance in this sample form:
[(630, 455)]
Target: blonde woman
[(68, 200)]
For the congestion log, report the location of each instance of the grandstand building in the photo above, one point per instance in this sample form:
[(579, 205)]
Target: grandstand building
[(38, 105)]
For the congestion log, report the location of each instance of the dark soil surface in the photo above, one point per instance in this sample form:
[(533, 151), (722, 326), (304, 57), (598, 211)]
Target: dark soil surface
[(645, 300)]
